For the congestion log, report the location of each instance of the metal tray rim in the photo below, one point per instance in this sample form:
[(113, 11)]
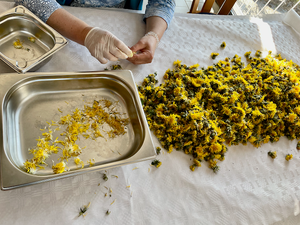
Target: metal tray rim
[(147, 145), (35, 62)]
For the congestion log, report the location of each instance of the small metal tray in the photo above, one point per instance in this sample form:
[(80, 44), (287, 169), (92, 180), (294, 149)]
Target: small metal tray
[(28, 103), (26, 42)]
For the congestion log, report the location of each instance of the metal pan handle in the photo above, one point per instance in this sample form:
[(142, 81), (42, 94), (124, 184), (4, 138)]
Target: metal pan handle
[(16, 9), (59, 40)]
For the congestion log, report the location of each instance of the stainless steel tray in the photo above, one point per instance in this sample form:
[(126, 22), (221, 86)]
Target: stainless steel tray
[(38, 41), (29, 100)]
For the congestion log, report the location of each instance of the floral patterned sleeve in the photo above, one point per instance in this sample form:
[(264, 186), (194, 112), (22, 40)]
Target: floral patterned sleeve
[(44, 8), (162, 8), (41, 8)]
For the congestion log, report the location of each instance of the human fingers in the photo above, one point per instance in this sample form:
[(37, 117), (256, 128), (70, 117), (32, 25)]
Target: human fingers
[(109, 56), (118, 53), (123, 49), (142, 58), (102, 60), (98, 54), (138, 46)]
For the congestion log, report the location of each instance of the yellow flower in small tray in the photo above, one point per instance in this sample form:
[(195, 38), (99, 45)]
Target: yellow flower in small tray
[(91, 162), (78, 161), (18, 44), (30, 167), (31, 39), (59, 167)]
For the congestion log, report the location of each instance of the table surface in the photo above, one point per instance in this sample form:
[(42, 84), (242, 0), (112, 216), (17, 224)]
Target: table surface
[(250, 188)]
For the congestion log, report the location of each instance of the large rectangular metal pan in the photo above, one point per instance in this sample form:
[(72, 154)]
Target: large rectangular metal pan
[(26, 42), (28, 103)]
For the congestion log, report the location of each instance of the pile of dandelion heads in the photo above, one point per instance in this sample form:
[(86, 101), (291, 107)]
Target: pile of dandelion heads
[(200, 110)]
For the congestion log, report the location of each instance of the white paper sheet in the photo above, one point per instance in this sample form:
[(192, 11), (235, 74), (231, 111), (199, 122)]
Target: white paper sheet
[(292, 19), (250, 187)]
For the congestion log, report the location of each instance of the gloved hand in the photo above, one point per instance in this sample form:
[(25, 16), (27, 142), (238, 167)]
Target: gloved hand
[(104, 46)]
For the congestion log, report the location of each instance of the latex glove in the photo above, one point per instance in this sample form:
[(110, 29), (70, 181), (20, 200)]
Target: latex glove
[(104, 46)]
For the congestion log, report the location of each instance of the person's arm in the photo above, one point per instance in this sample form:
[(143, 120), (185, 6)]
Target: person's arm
[(158, 16), (102, 44), (68, 25), (146, 46), (157, 25)]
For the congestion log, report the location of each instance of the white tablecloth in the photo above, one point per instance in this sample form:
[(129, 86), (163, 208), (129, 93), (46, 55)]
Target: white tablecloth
[(250, 187)]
